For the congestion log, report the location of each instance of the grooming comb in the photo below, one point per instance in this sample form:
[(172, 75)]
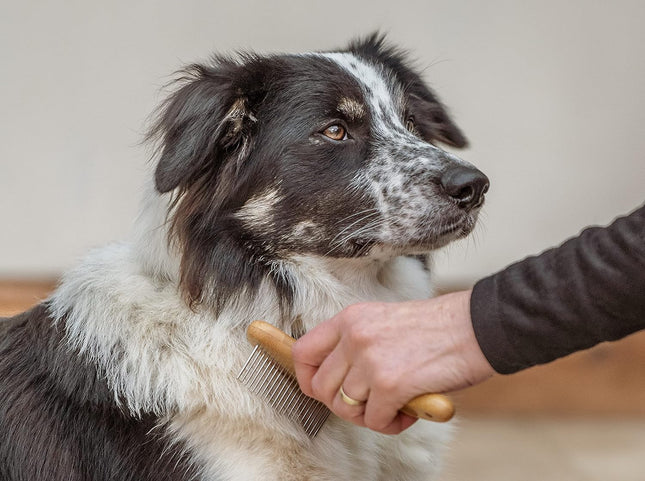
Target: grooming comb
[(269, 372)]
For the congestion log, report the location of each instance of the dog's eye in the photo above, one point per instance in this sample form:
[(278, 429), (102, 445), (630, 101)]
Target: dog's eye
[(335, 132), (409, 124)]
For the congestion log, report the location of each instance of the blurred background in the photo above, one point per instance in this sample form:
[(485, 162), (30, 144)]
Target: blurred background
[(550, 94)]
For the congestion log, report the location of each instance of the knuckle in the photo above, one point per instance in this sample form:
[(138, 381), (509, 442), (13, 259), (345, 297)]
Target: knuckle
[(373, 357), (358, 312), (306, 390), (317, 389), (350, 319), (357, 324), (298, 352), (359, 335), (353, 312), (305, 387), (385, 382), (375, 424)]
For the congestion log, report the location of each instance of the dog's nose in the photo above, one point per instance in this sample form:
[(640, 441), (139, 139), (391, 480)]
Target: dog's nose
[(466, 185)]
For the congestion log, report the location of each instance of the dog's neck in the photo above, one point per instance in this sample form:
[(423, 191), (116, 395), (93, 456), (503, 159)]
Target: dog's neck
[(325, 286), (322, 285)]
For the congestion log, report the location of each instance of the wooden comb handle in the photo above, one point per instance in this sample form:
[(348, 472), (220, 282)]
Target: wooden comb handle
[(432, 407)]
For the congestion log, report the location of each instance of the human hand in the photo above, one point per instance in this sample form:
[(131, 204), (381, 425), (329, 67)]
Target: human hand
[(388, 353)]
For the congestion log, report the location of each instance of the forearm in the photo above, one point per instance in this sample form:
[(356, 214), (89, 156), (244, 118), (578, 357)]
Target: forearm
[(590, 289)]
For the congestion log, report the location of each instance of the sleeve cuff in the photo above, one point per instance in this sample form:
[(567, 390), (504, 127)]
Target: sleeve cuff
[(489, 328)]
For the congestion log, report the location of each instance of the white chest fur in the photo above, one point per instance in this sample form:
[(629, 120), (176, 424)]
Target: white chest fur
[(159, 356)]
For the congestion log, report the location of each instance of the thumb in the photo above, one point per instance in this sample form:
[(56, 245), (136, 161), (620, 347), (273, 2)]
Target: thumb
[(311, 350)]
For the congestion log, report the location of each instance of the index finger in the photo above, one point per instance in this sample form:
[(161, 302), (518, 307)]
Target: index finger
[(312, 348)]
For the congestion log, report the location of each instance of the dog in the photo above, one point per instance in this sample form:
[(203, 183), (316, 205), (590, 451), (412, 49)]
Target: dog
[(285, 188)]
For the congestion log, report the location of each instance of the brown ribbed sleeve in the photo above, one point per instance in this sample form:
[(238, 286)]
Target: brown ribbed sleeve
[(588, 290)]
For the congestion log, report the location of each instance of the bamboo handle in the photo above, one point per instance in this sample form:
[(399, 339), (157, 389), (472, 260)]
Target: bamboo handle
[(432, 407), (275, 342)]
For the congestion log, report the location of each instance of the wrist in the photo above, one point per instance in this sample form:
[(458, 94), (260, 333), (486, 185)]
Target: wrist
[(476, 365)]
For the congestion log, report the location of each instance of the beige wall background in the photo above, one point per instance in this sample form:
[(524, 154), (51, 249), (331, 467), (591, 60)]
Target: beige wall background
[(550, 93)]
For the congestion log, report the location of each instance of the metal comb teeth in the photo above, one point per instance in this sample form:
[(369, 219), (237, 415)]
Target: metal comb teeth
[(265, 377)]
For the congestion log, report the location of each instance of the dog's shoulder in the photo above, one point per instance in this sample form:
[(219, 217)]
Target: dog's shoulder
[(23, 340), (34, 355), (59, 419)]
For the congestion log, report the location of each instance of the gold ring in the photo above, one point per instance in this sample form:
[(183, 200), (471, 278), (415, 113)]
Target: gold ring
[(349, 400)]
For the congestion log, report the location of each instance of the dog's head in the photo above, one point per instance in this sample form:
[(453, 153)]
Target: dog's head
[(329, 154)]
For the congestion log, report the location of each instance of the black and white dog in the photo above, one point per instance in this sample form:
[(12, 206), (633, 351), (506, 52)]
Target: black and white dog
[(287, 187)]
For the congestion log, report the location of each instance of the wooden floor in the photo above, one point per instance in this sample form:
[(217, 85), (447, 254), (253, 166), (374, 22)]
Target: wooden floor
[(606, 380), (18, 295)]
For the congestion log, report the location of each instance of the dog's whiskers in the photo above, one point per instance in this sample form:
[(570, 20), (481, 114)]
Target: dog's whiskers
[(372, 210), (336, 241), (346, 228), (343, 236), (371, 226)]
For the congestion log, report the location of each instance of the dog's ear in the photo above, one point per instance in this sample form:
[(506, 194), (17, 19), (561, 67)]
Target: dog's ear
[(431, 118), (205, 120)]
